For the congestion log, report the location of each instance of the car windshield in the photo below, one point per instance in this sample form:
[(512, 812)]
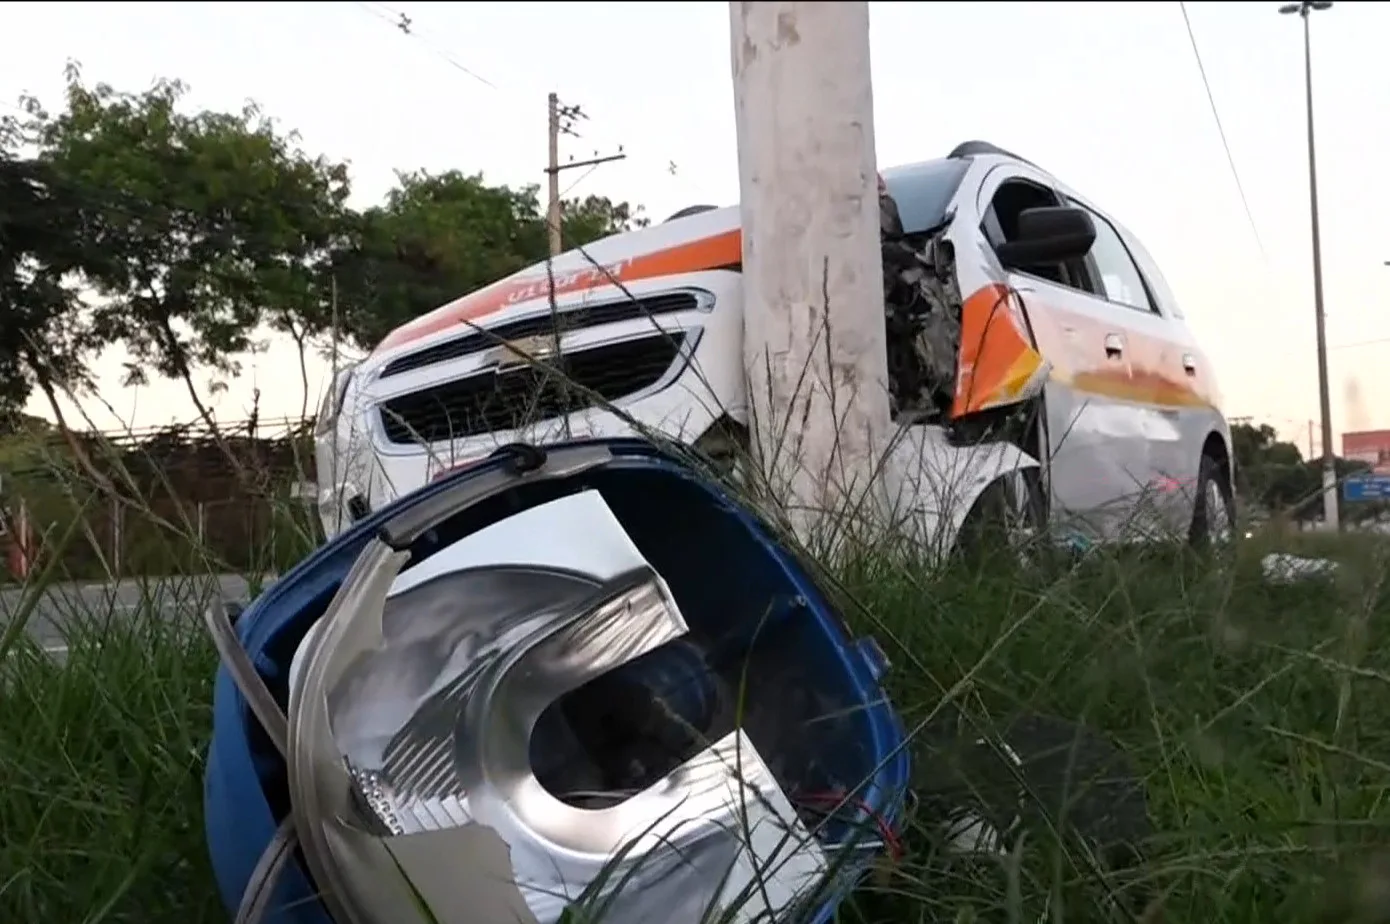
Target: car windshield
[(922, 191)]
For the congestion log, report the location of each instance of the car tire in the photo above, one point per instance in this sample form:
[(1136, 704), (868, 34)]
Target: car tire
[(1009, 516), (1214, 510)]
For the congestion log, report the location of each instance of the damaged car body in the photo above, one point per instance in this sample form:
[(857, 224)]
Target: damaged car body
[(1034, 352)]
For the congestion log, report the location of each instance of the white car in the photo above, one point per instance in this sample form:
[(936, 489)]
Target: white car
[(1036, 356)]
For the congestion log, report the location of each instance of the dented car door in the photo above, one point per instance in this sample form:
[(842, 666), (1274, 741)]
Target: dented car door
[(1182, 391), (1097, 451)]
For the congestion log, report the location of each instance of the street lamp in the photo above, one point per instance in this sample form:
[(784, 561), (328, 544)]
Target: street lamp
[(1329, 468)]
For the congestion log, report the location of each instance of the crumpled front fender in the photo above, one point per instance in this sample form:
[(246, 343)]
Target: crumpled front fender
[(932, 484)]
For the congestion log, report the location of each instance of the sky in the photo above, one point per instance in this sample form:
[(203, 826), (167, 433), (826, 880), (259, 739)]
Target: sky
[(1106, 96)]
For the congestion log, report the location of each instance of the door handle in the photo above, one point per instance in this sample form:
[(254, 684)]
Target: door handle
[(1189, 363), (1114, 346)]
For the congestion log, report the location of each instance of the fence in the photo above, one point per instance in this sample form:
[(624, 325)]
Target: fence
[(176, 500)]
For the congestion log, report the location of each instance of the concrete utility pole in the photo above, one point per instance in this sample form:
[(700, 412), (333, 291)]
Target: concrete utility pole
[(562, 123), (1329, 467), (812, 265)]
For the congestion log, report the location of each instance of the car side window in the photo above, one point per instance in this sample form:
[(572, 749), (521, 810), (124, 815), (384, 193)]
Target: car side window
[(1163, 296), (1120, 279), (1000, 224)]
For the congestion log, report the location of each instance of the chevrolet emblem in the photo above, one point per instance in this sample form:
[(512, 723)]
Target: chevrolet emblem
[(523, 351)]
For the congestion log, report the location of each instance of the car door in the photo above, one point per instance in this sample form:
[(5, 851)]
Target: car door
[(1155, 399), (1097, 455), (1183, 389)]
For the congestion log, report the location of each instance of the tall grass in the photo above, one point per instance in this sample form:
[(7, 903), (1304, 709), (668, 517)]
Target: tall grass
[(101, 756), (1256, 716), (106, 675)]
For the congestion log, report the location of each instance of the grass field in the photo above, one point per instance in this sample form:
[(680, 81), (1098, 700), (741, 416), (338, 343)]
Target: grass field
[(1259, 717)]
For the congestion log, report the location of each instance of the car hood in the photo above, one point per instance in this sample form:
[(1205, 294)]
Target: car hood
[(706, 241)]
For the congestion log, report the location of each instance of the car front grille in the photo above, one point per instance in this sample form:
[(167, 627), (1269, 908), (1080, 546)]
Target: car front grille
[(504, 399), (566, 319)]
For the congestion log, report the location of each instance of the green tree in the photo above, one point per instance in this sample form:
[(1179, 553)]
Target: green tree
[(594, 217), (46, 339), (1269, 471), (1249, 443), (441, 236), (197, 230), (1275, 475), (207, 224)]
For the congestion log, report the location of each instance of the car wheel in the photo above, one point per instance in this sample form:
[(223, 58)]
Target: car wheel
[(1009, 517), (1213, 513)]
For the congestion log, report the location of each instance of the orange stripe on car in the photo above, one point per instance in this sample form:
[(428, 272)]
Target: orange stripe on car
[(719, 250), (998, 356), (1148, 388)]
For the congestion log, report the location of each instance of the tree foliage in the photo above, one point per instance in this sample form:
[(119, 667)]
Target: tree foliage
[(206, 225), (1270, 471), (185, 236), (45, 342), (1274, 474), (441, 236)]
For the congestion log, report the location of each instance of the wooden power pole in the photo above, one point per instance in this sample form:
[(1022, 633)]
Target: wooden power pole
[(552, 214), (561, 122)]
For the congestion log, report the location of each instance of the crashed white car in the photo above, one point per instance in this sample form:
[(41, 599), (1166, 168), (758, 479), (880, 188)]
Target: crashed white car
[(1036, 357)]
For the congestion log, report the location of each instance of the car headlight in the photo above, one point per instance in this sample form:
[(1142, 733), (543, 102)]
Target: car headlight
[(414, 770), (501, 712), (332, 404)]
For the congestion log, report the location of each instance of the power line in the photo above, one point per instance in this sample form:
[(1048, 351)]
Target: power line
[(565, 119), (566, 191), (568, 114), (407, 27), (563, 123), (1359, 343), (560, 121), (1230, 159)]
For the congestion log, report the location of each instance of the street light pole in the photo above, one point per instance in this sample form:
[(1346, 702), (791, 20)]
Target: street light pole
[(1329, 468)]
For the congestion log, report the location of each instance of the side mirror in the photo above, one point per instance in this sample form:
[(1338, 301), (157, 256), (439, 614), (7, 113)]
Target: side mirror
[(1048, 234)]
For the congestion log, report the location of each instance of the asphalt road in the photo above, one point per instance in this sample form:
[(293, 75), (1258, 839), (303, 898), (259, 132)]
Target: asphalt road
[(63, 606)]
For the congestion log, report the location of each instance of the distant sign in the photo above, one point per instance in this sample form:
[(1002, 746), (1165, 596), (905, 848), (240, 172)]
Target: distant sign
[(1366, 488), (1369, 446)]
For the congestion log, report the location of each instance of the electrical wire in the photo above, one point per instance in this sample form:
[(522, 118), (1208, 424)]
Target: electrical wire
[(1359, 343), (830, 802), (582, 177), (1221, 130), (407, 26)]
